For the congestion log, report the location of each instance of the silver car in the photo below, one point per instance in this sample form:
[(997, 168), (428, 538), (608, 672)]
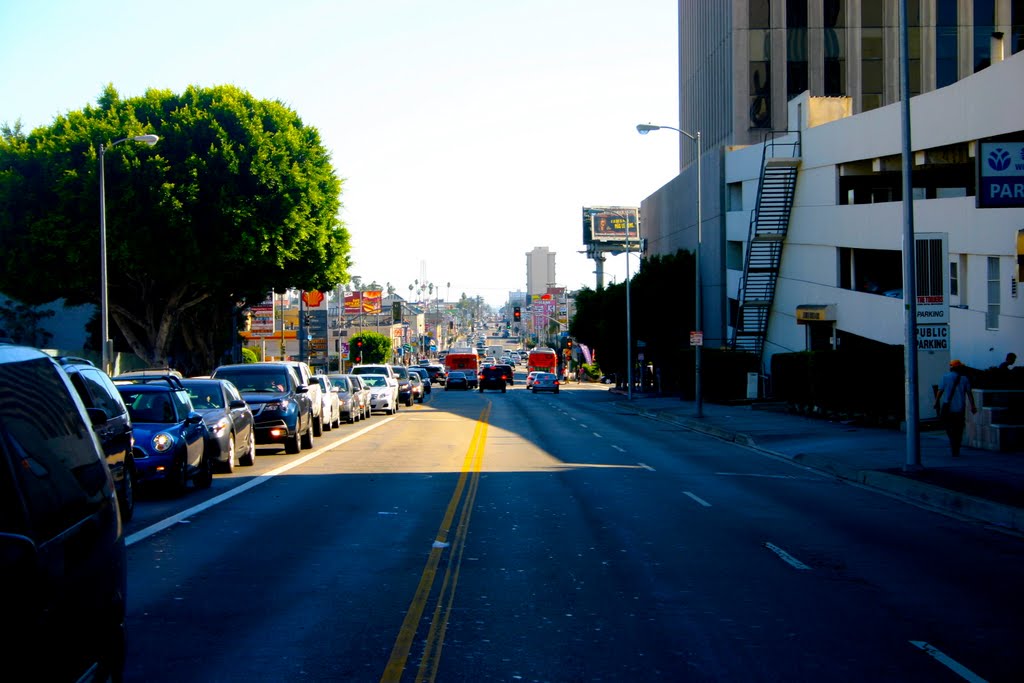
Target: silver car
[(232, 436), (363, 392), (349, 401)]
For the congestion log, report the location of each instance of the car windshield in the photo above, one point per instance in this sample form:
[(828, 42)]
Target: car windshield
[(257, 382), (373, 381), (151, 407), (341, 383), (204, 396)]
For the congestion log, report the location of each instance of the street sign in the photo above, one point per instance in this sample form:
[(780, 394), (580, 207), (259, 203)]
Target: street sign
[(696, 339)]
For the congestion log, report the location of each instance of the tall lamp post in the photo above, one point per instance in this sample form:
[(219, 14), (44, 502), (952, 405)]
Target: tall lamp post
[(644, 129), (107, 343)]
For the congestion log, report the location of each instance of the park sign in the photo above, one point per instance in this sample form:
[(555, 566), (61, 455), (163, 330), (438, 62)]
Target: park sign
[(1000, 168)]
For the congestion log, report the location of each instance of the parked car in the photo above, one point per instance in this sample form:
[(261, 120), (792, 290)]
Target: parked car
[(493, 377), (545, 381), (350, 408), (383, 393), (530, 377), (380, 369), (62, 550), (417, 387), (331, 408), (229, 421), (305, 376), (363, 392), (114, 431), (170, 436), (424, 378), (281, 406), (404, 385), (457, 380)]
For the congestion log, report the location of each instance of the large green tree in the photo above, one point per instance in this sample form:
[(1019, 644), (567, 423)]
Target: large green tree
[(238, 197)]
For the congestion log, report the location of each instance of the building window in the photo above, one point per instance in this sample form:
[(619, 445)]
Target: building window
[(734, 255), (760, 87), (796, 47), (946, 52), (734, 196), (872, 56), (872, 271), (1016, 26), (835, 51), (992, 315), (954, 279), (984, 26)]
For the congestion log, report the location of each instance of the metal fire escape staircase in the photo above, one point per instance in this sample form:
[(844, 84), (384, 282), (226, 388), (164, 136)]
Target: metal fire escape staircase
[(768, 225)]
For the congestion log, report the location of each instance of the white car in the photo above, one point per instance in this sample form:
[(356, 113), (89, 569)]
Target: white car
[(330, 415), (530, 377), (383, 392)]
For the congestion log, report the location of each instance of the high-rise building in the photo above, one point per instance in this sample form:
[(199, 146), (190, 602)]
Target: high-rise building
[(540, 270), (769, 52)]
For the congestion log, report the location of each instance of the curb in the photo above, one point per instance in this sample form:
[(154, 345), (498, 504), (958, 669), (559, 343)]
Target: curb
[(935, 497)]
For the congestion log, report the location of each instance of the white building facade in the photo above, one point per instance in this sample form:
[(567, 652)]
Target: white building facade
[(540, 270)]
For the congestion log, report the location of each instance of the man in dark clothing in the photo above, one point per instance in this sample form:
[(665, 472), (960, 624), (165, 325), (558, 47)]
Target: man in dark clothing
[(951, 403)]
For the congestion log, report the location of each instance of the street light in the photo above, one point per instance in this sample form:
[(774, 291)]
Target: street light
[(104, 312), (644, 129)]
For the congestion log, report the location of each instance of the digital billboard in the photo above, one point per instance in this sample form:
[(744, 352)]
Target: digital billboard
[(609, 224)]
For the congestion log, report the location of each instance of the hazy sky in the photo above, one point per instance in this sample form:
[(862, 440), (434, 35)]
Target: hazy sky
[(467, 132)]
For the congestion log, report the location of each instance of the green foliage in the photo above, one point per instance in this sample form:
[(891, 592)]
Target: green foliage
[(238, 197), (249, 355), (376, 347)]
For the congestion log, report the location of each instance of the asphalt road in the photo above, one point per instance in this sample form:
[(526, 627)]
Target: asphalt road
[(520, 537)]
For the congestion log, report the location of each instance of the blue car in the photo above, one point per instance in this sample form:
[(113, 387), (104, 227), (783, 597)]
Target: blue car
[(170, 436)]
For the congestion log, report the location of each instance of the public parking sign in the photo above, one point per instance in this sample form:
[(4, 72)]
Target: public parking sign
[(1000, 175)]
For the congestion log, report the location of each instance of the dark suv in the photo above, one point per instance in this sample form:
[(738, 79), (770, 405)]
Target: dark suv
[(115, 431), (493, 377), (280, 403), (63, 574)]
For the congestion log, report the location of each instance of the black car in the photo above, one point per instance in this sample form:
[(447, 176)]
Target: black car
[(280, 404), (114, 432), (404, 385), (493, 377), (457, 380), (63, 577), (437, 374), (510, 373)]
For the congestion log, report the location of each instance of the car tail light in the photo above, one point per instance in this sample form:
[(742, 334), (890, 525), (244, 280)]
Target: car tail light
[(556, 382)]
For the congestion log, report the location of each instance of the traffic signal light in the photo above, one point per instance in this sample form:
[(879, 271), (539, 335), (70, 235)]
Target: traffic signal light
[(396, 311), (517, 314), (568, 343)]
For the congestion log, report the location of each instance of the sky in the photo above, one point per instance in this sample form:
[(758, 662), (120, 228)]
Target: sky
[(466, 132)]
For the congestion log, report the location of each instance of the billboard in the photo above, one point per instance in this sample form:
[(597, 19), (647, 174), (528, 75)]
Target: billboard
[(261, 317), (363, 302), (609, 224), (1000, 175)]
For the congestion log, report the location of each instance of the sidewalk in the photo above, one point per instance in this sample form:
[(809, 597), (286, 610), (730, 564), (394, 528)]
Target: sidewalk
[(980, 484)]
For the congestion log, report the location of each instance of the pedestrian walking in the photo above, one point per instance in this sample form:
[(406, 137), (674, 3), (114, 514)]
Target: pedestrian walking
[(951, 403), (1005, 366)]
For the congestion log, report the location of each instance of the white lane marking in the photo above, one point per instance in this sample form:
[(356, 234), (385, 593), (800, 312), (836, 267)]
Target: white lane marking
[(786, 557), (597, 435), (583, 425), (957, 668), (262, 479), (642, 464), (698, 499), (620, 449)]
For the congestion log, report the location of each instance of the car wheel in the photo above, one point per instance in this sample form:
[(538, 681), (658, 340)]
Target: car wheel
[(351, 419), (204, 477), (126, 499), (503, 390), (307, 438), (327, 426), (337, 419), (481, 390), (293, 445), (534, 390), (248, 458), (229, 466), (318, 426)]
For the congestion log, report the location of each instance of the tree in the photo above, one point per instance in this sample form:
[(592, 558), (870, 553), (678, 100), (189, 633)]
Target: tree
[(20, 324), (373, 347), (238, 198)]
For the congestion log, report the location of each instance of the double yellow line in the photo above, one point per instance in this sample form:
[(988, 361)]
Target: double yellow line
[(427, 670)]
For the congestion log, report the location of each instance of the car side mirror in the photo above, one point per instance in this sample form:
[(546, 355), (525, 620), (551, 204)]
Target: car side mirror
[(193, 418), (302, 389), (237, 404), (96, 416)]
